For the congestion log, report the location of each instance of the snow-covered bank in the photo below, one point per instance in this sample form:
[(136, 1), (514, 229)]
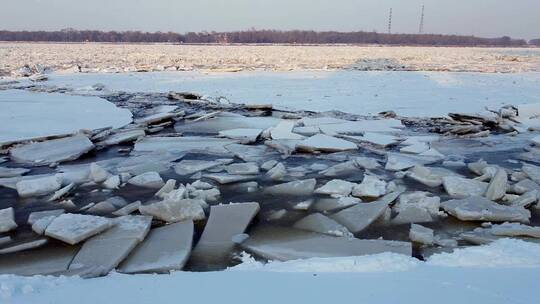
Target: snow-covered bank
[(504, 272), (27, 115), (356, 92)]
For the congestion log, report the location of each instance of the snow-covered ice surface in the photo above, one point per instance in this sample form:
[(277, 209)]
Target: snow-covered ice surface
[(357, 92), (24, 115), (507, 271)]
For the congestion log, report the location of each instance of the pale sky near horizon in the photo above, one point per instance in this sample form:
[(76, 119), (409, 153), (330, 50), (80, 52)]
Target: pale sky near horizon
[(488, 18)]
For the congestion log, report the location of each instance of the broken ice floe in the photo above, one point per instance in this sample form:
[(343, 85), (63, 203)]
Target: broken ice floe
[(52, 151)]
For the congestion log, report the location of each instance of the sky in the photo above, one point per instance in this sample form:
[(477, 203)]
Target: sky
[(487, 18)]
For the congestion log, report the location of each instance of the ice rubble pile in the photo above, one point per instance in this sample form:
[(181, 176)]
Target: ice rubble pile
[(26, 59), (356, 175)]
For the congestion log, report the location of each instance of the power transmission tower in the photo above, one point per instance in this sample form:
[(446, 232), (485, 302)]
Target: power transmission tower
[(390, 22), (421, 28)]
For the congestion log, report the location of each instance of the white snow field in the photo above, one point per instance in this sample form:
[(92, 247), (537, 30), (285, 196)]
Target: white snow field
[(26, 115), (506, 271), (357, 92)]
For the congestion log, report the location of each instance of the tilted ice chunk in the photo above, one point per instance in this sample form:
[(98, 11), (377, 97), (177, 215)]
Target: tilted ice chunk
[(168, 187), (122, 137), (97, 173), (429, 176), (52, 151), (399, 162), (317, 222), (106, 250), (73, 228), (362, 126), (478, 167), (284, 244), (476, 208), (267, 165), (360, 216), (113, 182), (242, 135), (525, 185), (175, 210), (515, 229), (371, 186), (367, 162), (421, 234), (497, 186), (243, 168), (224, 178), (418, 199), (416, 148), (332, 204), (316, 121), (533, 172), (7, 220), (42, 219), (188, 167), (526, 199), (35, 216), (226, 121), (102, 208), (128, 209), (248, 153), (158, 161), (336, 186), (147, 180), (325, 143), (460, 187), (39, 186), (345, 168), (283, 130), (412, 214), (164, 249), (377, 139), (225, 222), (277, 172), (297, 188)]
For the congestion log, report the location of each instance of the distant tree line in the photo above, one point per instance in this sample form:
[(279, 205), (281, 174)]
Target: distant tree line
[(260, 36), (535, 42)]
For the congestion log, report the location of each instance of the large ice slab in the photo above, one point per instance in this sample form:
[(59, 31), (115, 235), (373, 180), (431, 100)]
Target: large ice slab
[(38, 186), (108, 249), (224, 223), (27, 115), (52, 151), (74, 228), (164, 249), (283, 244), (226, 121), (325, 143), (476, 208), (183, 144)]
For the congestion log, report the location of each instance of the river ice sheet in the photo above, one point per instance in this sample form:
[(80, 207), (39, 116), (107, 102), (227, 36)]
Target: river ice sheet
[(358, 92), (27, 115)]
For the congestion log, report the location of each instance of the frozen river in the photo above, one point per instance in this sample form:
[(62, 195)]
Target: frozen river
[(406, 93)]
